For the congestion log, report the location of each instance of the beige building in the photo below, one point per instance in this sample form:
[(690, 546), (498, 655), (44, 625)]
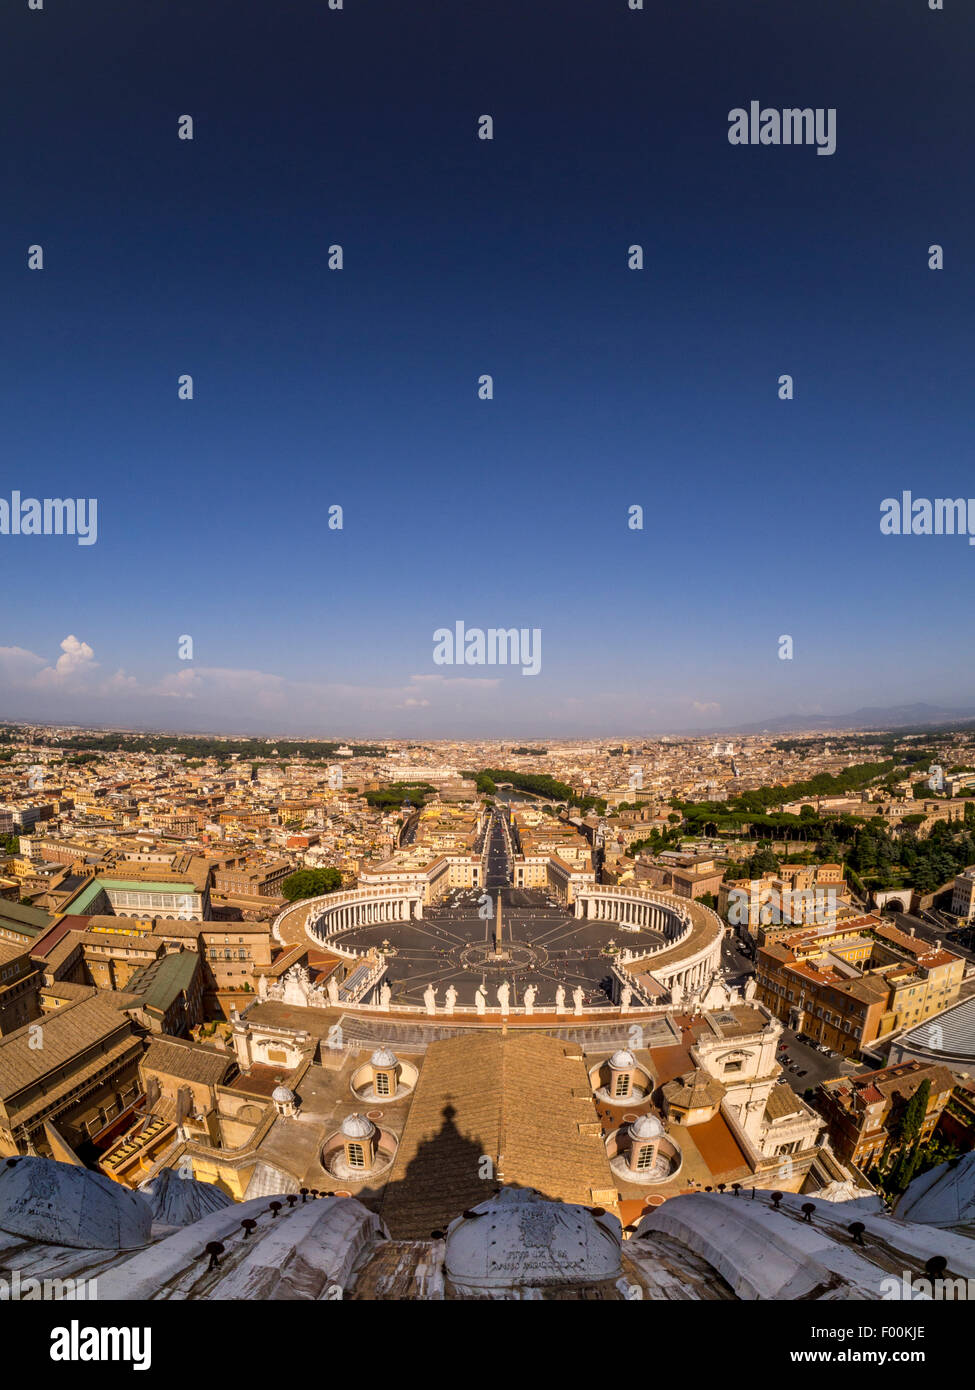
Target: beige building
[(76, 1068), (848, 985), (963, 895), (19, 980), (798, 895)]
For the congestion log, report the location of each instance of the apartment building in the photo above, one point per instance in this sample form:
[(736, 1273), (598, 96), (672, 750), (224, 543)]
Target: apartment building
[(19, 980), (849, 985), (963, 895), (862, 1112), (252, 879)]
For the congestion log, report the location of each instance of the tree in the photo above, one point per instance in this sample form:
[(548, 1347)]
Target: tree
[(905, 1168), (310, 883), (764, 862), (913, 1115), (829, 848)]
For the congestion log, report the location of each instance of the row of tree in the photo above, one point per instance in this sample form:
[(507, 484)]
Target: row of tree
[(205, 747), (395, 793), (539, 783)]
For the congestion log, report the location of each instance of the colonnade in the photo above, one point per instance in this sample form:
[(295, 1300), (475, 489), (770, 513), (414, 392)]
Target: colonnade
[(367, 913), (671, 919), (358, 907), (689, 979)]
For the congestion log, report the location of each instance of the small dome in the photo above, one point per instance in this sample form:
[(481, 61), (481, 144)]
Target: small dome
[(646, 1127), (622, 1059), (356, 1127), (383, 1057), (282, 1095)]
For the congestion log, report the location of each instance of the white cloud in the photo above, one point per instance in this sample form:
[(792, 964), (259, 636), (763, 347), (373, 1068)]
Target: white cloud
[(76, 661), (489, 682), (220, 696), (18, 666)]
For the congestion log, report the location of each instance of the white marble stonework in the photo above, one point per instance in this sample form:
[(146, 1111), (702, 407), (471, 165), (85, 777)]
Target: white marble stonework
[(179, 1201), (519, 1239), (57, 1202)]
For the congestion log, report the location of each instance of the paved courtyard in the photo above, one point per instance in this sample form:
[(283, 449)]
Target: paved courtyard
[(544, 944)]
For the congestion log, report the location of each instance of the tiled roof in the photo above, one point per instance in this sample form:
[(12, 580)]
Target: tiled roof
[(782, 1101), (693, 1091), (65, 1033), (189, 1061), (522, 1101)]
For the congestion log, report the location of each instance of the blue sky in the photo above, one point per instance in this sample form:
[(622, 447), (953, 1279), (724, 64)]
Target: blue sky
[(358, 387)]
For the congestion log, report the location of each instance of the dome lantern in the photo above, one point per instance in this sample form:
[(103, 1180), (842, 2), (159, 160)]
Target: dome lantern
[(285, 1101), (359, 1139), (645, 1135), (622, 1065), (385, 1069)]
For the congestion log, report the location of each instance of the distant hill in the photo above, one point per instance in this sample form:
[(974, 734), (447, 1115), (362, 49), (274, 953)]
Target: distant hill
[(868, 717)]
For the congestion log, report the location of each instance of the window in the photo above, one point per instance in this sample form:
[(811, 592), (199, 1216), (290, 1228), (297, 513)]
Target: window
[(623, 1084), (732, 1066), (382, 1083), (645, 1159), (357, 1158)]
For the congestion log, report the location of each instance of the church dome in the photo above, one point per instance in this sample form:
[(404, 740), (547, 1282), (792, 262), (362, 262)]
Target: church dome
[(383, 1057), (356, 1126), (59, 1204), (646, 1127), (179, 1201), (518, 1239), (622, 1060), (282, 1095)]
